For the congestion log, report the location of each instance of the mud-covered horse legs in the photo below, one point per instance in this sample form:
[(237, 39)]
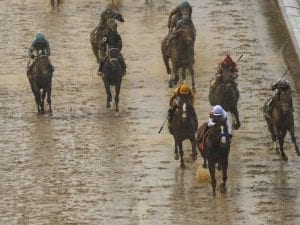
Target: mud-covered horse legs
[(49, 90), (52, 2), (37, 95), (182, 165), (224, 166), (117, 88), (280, 137), (108, 93), (212, 172), (292, 134), (194, 151), (236, 125), (192, 72)]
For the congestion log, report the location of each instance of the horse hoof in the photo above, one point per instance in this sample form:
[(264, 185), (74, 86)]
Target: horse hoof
[(176, 157), (204, 166), (223, 189), (194, 157), (182, 165), (170, 84), (284, 157), (108, 106), (298, 153)]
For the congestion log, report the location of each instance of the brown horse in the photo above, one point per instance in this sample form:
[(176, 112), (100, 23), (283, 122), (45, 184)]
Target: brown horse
[(280, 120), (212, 150), (52, 2), (181, 53), (40, 78), (226, 94), (113, 72), (182, 127)]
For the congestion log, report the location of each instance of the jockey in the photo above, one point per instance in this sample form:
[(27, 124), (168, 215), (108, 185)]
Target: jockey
[(181, 91), (219, 117), (279, 86), (39, 45), (229, 65), (226, 65), (183, 10), (107, 16)]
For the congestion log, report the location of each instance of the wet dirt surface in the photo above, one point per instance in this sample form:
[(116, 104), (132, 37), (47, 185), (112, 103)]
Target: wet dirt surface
[(83, 165)]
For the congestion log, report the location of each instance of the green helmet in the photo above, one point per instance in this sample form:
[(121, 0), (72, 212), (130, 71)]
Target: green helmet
[(185, 4), (40, 37)]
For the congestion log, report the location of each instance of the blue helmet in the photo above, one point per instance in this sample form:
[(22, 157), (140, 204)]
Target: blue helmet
[(218, 110), (40, 37)]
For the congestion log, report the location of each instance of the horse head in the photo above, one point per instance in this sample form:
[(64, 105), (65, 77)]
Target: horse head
[(284, 101), (214, 136), (113, 55), (184, 106)]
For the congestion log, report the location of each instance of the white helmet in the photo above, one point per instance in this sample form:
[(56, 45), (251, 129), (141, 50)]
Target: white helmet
[(218, 110)]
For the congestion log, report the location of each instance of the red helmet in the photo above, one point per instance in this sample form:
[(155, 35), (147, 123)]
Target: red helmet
[(228, 60)]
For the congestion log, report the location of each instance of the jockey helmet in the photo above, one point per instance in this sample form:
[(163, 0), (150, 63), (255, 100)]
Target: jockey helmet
[(185, 4), (228, 60), (283, 84), (184, 89), (218, 111), (40, 37)]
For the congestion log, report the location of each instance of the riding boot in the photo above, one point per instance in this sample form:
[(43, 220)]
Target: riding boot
[(171, 112), (52, 68)]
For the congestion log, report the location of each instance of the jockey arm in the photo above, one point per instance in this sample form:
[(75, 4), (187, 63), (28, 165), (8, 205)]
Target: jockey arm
[(172, 13)]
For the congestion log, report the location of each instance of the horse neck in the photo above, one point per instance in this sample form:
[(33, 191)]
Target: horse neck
[(213, 136)]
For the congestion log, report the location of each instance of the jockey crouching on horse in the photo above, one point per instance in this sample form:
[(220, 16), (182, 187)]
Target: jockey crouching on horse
[(183, 91), (227, 65), (183, 10), (105, 16), (111, 40), (279, 86), (178, 28), (40, 46), (219, 117)]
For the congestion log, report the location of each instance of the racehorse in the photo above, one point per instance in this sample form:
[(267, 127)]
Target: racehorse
[(182, 127), (280, 120), (181, 53), (212, 150), (112, 76), (227, 95), (52, 2), (40, 78)]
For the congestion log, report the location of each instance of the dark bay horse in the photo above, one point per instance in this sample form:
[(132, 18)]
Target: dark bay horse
[(280, 120), (112, 76), (181, 53), (40, 78), (52, 2), (182, 127), (214, 152), (227, 95)]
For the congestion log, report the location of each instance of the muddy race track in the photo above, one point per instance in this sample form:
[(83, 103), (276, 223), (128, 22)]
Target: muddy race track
[(83, 165)]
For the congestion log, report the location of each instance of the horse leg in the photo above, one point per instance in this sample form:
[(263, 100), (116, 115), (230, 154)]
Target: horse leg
[(212, 171), (37, 94), (108, 93), (58, 3), (176, 150), (192, 72), (43, 100), (176, 78), (194, 152), (292, 134), (270, 128), (117, 88), (237, 123), (280, 136), (49, 90), (182, 165), (52, 4), (224, 172)]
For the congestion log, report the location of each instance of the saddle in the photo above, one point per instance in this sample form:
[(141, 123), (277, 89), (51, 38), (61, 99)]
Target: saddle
[(201, 139)]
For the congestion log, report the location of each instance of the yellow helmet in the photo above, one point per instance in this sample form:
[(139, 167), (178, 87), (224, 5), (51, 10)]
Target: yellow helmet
[(184, 89)]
